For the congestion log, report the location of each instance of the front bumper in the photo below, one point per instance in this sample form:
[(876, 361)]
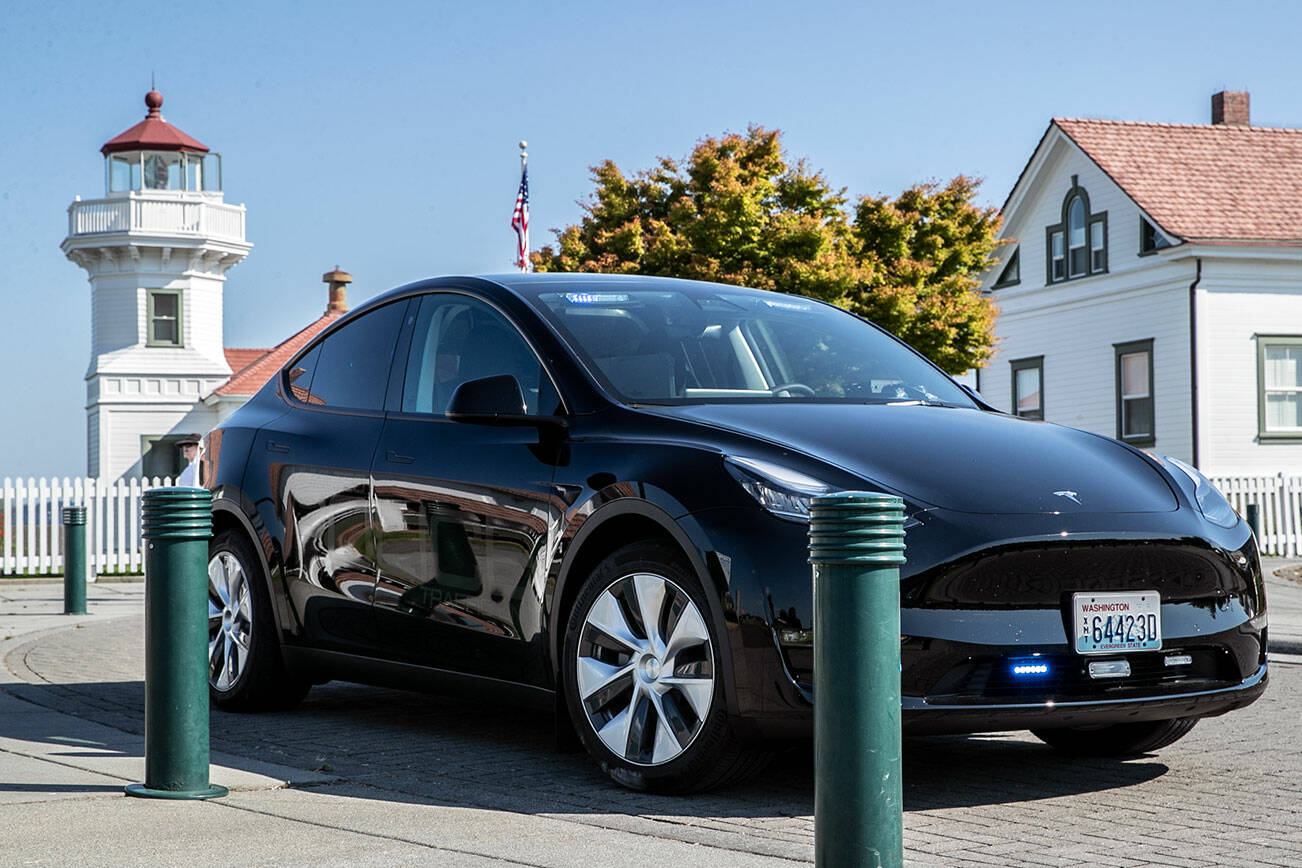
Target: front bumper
[(966, 617), (921, 716)]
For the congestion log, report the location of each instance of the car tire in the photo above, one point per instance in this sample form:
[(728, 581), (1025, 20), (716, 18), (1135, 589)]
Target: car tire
[(648, 705), (1117, 740), (245, 669)]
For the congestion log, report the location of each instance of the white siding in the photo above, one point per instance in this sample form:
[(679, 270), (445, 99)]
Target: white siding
[(1075, 323), (124, 427), (1076, 338), (92, 441), (1238, 300), (113, 317)]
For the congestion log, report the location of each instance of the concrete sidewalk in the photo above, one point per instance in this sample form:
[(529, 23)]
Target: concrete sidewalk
[(61, 779), (360, 775)]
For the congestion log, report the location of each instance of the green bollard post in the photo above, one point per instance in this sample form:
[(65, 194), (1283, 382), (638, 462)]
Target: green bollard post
[(176, 525), (856, 546), (1254, 519), (74, 560)]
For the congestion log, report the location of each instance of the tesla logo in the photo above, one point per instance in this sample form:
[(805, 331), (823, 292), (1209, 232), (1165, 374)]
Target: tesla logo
[(1070, 495)]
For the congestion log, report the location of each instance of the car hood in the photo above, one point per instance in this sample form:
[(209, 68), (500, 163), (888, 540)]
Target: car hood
[(954, 458)]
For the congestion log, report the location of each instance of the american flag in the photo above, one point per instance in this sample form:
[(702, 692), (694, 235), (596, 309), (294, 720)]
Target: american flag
[(520, 223)]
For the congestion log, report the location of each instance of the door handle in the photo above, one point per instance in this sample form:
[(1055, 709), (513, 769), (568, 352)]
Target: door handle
[(394, 458), (273, 446)]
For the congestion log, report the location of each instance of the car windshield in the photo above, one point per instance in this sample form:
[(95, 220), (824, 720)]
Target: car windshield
[(675, 347)]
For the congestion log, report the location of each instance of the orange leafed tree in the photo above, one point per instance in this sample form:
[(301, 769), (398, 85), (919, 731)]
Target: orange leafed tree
[(738, 211)]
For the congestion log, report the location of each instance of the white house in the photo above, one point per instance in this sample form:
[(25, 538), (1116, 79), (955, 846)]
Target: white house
[(1153, 289), (157, 247)]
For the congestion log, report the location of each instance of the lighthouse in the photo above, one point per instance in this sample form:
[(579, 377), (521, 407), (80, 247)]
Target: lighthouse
[(156, 248)]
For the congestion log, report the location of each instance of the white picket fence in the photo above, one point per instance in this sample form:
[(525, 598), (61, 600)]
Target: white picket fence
[(1279, 506), (32, 524), (32, 542)]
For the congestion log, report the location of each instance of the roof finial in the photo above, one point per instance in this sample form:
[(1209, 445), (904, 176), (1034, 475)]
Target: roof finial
[(154, 101)]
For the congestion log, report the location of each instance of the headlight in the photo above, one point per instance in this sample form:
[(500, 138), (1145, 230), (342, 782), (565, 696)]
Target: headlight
[(780, 490), (1213, 505)]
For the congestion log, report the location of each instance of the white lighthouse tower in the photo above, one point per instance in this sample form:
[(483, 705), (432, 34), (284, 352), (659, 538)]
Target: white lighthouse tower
[(156, 249)]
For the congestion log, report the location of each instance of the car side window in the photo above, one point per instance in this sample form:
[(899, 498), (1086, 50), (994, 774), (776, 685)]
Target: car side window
[(350, 368), (457, 338)]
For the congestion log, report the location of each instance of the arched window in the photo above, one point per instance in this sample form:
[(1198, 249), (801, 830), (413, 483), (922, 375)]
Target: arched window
[(1078, 246), (1076, 237)]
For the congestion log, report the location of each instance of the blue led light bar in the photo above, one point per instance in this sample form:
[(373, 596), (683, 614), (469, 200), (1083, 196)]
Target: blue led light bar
[(1031, 669)]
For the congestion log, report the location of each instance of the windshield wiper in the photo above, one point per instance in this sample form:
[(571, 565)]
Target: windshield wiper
[(920, 402)]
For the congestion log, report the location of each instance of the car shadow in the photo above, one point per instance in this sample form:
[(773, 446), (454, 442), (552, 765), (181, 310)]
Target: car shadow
[(422, 748)]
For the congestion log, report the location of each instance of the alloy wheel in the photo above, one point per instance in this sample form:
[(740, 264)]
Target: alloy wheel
[(230, 620), (645, 669)]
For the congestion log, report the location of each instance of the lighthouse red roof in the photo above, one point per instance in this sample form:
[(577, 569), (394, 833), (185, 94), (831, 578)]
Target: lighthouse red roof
[(153, 133)]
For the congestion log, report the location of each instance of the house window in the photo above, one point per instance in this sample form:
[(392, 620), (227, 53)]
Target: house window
[(1150, 240), (1028, 387), (1076, 237), (1078, 246), (164, 319), (1279, 387), (1012, 273), (1135, 422)]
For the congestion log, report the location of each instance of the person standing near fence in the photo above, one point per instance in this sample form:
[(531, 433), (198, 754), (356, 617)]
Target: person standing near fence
[(190, 451)]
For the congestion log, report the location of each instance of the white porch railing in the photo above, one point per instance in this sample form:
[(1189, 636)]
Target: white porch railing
[(32, 524), (162, 214)]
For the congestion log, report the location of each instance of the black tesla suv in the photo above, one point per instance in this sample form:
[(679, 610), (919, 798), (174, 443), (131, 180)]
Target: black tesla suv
[(590, 493)]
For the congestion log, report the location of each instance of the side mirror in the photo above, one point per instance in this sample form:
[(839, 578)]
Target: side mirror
[(487, 399), (495, 400)]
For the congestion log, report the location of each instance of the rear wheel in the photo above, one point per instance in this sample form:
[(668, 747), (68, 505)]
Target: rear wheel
[(1120, 739), (245, 670), (642, 678)]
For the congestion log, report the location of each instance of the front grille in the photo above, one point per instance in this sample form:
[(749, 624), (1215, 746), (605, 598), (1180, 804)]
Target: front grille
[(1039, 576), (990, 680)]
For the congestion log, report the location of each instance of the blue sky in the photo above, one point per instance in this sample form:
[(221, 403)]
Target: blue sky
[(382, 136)]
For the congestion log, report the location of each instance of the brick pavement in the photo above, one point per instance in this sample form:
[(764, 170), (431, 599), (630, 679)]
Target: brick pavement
[(1228, 794)]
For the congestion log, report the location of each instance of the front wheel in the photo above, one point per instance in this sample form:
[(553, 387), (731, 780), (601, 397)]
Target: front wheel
[(642, 677), (245, 670), (1117, 740)]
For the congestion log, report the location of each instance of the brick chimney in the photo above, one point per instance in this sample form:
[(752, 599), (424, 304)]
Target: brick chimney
[(1230, 108), (338, 281)]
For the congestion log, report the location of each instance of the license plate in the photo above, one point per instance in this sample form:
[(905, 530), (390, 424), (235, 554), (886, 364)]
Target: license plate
[(1107, 623)]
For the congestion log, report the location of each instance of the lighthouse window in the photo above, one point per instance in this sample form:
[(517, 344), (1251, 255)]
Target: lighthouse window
[(119, 174), (212, 171), (167, 170), (164, 319), (163, 171)]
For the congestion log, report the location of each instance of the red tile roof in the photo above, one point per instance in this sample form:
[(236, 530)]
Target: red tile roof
[(240, 358), (254, 375), (153, 133), (1224, 184)]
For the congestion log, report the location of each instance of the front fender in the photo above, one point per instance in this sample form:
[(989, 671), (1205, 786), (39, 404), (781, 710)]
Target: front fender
[(589, 521)]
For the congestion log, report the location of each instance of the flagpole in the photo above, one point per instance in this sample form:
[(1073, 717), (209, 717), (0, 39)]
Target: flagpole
[(520, 219)]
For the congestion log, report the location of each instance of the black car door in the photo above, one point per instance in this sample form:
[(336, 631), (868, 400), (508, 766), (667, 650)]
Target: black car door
[(317, 458), (466, 516)]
